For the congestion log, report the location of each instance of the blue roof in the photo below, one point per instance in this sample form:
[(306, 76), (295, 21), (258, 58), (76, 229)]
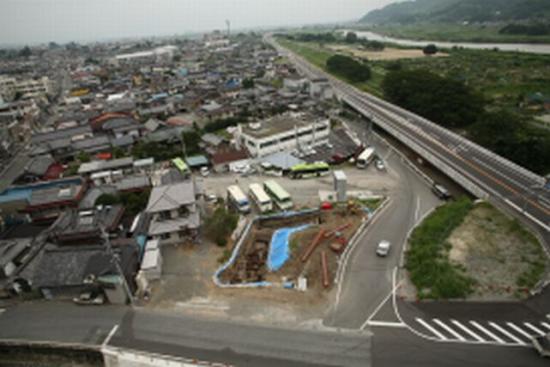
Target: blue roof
[(196, 161), (24, 192)]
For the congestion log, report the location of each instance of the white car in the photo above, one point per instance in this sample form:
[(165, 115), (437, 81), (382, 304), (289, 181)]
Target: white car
[(380, 165), (383, 248), (205, 171)]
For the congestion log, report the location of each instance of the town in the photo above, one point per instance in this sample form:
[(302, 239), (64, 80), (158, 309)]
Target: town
[(271, 197)]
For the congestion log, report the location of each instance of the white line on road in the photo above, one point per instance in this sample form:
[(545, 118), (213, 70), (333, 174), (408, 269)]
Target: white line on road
[(2, 310), (488, 332), (519, 330), (394, 288), (417, 210), (386, 324), (451, 331), (468, 331), (429, 327), (109, 336), (505, 332), (534, 328), (545, 325)]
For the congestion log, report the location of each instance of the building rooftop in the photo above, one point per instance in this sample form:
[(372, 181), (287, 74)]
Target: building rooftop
[(96, 166), (171, 197), (277, 125)]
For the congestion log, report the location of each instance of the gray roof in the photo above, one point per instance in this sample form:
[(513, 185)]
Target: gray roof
[(98, 142), (61, 133), (39, 165), (171, 196), (55, 194), (88, 201), (132, 182), (212, 139), (96, 166), (196, 161), (73, 223), (192, 221), (11, 249), (282, 160), (123, 141)]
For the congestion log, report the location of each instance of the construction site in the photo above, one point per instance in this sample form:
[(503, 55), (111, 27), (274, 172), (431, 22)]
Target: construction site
[(295, 251)]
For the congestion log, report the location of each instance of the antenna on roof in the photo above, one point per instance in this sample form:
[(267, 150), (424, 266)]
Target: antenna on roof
[(228, 24)]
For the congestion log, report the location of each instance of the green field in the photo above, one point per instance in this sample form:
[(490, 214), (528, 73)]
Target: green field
[(505, 79), (454, 33)]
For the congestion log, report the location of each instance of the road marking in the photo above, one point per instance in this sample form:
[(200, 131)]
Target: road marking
[(110, 335), (545, 325), (534, 328), (451, 331), (386, 324), (468, 331), (2, 310), (488, 332), (392, 293), (519, 330), (505, 332), (427, 326), (417, 210)]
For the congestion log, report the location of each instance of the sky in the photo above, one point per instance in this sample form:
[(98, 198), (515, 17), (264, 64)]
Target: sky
[(38, 21)]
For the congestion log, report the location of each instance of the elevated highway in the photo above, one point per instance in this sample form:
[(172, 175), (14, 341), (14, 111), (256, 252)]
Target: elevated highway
[(483, 173)]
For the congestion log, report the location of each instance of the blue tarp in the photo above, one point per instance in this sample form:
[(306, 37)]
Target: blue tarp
[(278, 248)]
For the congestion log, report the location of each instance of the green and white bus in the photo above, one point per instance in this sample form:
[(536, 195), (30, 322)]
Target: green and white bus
[(280, 197), (309, 170)]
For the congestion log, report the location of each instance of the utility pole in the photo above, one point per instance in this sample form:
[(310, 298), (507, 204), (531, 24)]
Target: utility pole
[(116, 262)]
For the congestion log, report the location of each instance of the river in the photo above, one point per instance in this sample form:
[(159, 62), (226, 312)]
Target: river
[(519, 47)]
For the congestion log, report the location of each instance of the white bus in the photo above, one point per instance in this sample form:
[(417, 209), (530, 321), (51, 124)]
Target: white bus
[(237, 199), (278, 194), (260, 198), (365, 158)]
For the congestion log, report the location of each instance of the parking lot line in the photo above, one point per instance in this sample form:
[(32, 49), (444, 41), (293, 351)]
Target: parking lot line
[(534, 328), (508, 334), (519, 330), (429, 327), (487, 332), (451, 331), (468, 331)]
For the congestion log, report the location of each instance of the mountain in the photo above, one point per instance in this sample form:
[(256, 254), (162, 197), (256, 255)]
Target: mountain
[(472, 11)]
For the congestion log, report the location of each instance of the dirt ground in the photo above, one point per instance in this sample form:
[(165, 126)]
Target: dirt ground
[(495, 252), (387, 54)]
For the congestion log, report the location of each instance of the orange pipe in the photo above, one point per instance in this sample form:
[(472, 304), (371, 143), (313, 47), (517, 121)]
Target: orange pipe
[(324, 266), (316, 241)]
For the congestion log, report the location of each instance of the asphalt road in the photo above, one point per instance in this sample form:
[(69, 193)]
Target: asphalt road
[(368, 278), (173, 334)]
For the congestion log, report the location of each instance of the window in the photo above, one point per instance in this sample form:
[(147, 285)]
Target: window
[(165, 236), (183, 211), (268, 143), (165, 215)]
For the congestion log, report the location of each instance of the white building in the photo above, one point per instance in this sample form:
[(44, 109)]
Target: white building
[(174, 213), (28, 88), (283, 133), (7, 88), (320, 89)]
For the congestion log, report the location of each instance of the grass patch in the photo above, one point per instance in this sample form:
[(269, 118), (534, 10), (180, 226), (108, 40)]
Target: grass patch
[(427, 259)]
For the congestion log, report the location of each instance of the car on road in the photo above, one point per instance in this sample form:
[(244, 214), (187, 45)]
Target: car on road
[(90, 298), (383, 248), (542, 344), (380, 165), (205, 171), (441, 192)]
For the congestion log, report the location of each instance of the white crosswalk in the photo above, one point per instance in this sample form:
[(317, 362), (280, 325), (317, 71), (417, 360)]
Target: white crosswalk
[(483, 332)]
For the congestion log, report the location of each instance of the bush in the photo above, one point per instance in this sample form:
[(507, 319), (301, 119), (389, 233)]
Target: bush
[(430, 50), (427, 259), (219, 226)]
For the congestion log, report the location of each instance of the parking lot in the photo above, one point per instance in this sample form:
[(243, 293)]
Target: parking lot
[(305, 192)]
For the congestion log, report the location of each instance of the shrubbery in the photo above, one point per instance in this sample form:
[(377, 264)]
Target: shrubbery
[(349, 68)]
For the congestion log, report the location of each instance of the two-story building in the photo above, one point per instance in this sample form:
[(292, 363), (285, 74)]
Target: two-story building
[(175, 216)]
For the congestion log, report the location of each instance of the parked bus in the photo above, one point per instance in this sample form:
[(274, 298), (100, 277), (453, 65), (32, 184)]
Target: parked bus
[(281, 198), (237, 199), (309, 170), (365, 158), (260, 198)]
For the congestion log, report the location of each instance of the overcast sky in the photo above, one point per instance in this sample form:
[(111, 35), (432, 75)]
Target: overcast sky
[(32, 21)]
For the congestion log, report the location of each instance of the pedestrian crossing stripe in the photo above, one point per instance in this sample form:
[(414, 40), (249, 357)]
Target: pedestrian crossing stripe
[(483, 332)]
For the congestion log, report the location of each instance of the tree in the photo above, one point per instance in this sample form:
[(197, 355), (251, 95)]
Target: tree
[(107, 199), (83, 157), (351, 37), (25, 52), (219, 226), (349, 68), (248, 83), (430, 49), (443, 100)]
